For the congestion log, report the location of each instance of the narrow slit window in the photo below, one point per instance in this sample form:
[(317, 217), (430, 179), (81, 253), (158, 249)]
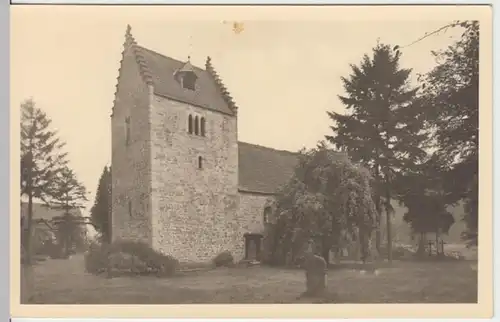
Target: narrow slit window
[(130, 208), (200, 162), (196, 125), (202, 126), (127, 131), (190, 124)]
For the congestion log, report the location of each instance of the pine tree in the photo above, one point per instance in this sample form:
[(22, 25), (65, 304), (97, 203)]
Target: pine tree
[(69, 195), (41, 160), (382, 127), (100, 211)]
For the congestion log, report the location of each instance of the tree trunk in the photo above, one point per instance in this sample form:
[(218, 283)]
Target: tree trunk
[(325, 250), (109, 229), (437, 242), (378, 221), (326, 255), (421, 245), (29, 191), (29, 229), (388, 220), (363, 245)]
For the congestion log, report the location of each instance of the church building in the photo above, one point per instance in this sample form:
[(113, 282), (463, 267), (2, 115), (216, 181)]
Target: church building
[(181, 180)]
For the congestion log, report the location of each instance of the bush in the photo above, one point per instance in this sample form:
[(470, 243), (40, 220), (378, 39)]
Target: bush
[(155, 261), (129, 257), (96, 258), (398, 251), (224, 259)]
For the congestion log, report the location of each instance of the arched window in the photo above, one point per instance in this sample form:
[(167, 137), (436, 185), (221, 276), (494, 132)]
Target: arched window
[(267, 215), (190, 124), (200, 162), (196, 125), (202, 126)]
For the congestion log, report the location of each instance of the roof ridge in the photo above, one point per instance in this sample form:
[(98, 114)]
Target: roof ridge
[(222, 88), (168, 57), (269, 148)]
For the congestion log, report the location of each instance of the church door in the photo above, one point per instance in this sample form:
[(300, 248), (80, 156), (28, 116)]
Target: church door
[(253, 247)]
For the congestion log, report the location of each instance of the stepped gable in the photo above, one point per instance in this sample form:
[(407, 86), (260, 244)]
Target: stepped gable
[(159, 71)]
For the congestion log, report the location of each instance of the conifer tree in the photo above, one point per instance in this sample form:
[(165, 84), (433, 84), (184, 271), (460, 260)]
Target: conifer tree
[(382, 128), (100, 211), (69, 195), (41, 160)]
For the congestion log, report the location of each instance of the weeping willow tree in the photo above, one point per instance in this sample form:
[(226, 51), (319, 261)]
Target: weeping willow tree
[(328, 200)]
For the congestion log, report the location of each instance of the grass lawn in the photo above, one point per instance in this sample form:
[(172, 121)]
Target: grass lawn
[(65, 282)]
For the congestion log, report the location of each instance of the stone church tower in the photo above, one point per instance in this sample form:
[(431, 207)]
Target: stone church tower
[(174, 156)]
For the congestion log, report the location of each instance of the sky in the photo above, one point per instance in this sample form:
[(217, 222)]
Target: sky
[(282, 71)]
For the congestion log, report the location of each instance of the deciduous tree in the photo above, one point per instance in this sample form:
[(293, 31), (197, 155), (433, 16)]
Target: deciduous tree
[(421, 191), (451, 96), (327, 197)]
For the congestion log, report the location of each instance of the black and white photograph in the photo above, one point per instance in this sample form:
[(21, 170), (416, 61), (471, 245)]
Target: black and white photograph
[(273, 155)]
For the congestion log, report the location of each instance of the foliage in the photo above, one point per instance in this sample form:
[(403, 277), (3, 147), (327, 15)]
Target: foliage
[(41, 156), (68, 192), (96, 258), (101, 210), (398, 252), (41, 160), (451, 97), (224, 259), (69, 195), (326, 198), (129, 257), (382, 127), (421, 191), (471, 209)]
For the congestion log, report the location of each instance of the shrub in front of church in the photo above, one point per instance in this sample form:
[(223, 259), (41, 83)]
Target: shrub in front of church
[(129, 257), (144, 256), (225, 259), (96, 259)]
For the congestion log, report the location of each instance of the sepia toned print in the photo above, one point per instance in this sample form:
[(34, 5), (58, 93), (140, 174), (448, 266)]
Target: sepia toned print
[(240, 161)]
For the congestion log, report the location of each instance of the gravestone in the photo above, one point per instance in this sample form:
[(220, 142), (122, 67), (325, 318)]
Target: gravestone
[(316, 269)]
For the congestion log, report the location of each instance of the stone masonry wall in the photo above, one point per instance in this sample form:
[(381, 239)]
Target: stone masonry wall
[(250, 219), (131, 175), (193, 210)]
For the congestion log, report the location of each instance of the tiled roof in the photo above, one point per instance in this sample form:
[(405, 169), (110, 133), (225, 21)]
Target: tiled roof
[(264, 170), (41, 211), (159, 70)]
